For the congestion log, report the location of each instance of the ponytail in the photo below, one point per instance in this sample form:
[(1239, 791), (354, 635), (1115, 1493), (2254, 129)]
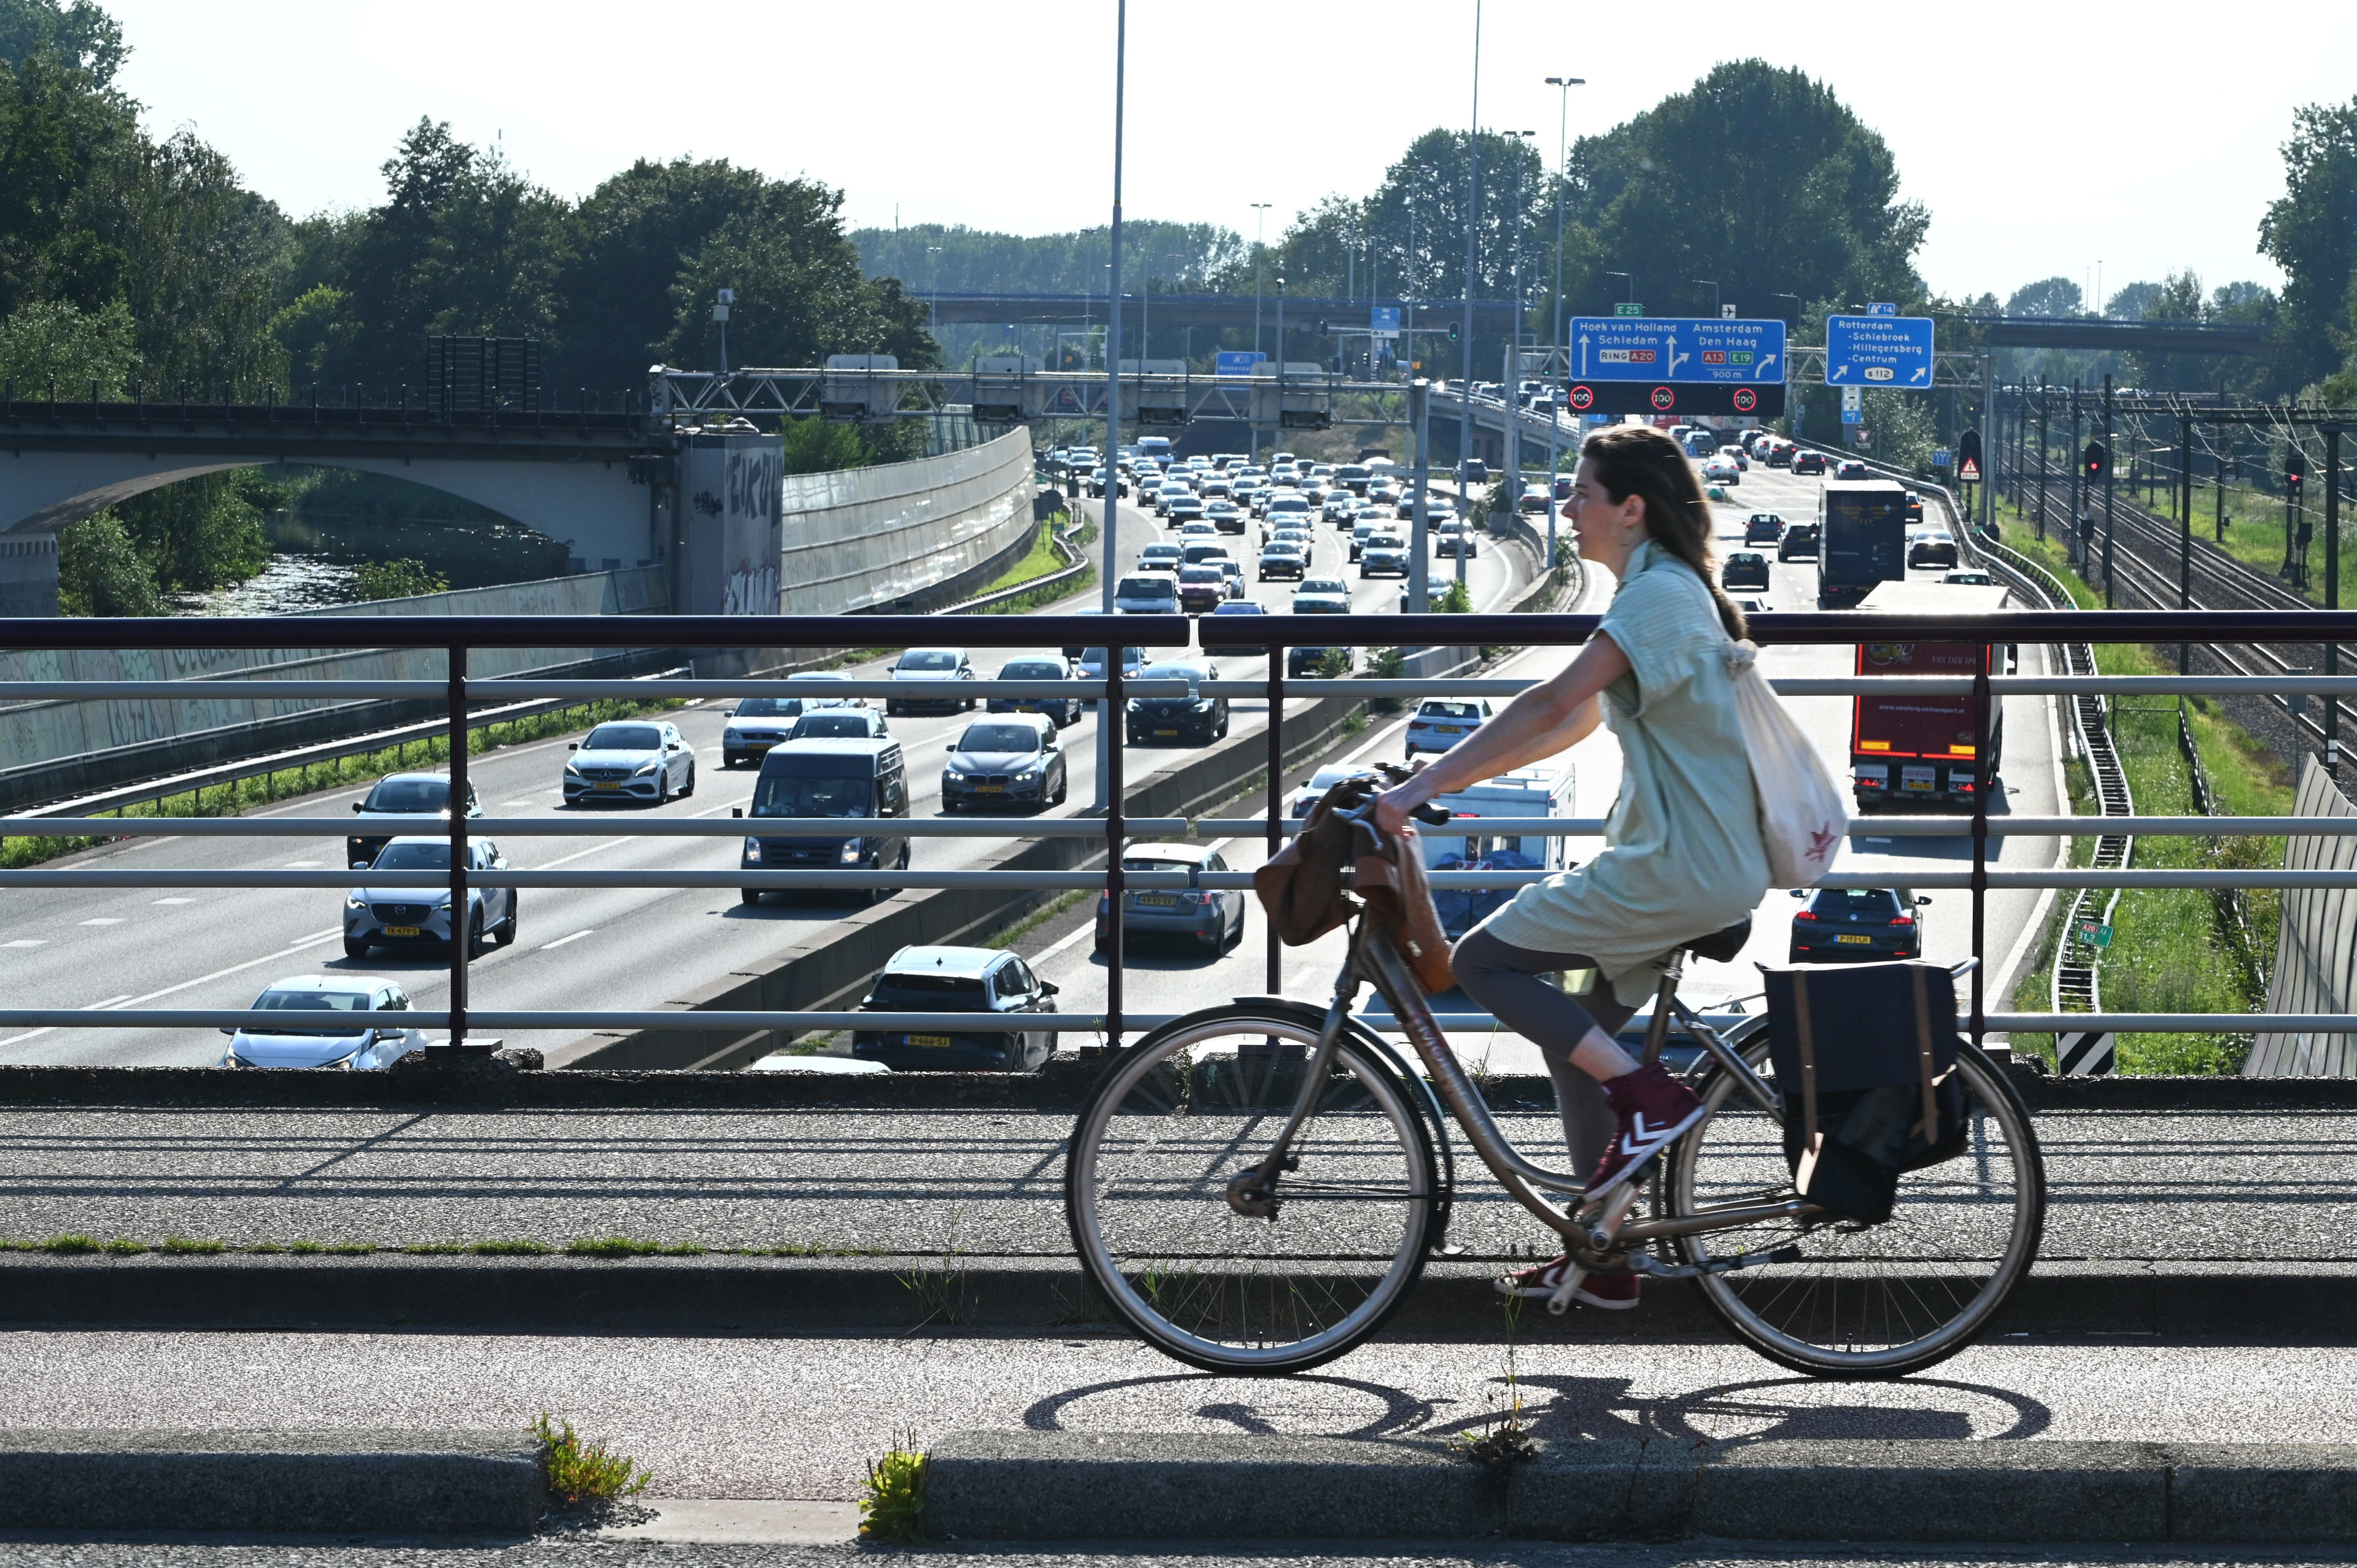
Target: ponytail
[(1639, 460)]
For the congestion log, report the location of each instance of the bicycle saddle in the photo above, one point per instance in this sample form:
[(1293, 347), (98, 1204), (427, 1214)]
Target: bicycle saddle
[(1720, 946)]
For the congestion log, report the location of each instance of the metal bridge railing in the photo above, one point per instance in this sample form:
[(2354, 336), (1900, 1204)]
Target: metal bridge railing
[(458, 635)]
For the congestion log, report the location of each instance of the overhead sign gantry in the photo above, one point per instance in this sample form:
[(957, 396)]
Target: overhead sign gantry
[(1675, 365)]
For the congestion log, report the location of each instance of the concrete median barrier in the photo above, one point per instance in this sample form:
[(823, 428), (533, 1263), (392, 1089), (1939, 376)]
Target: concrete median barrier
[(405, 1482), (1043, 1486)]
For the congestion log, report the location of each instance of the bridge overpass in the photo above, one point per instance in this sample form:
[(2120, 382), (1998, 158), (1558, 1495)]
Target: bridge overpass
[(1212, 310)]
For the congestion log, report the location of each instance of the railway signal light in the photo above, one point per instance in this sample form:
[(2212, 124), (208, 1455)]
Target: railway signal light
[(2096, 459), (1452, 332), (2295, 469)]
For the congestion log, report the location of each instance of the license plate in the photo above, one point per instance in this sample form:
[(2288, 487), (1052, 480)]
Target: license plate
[(1857, 941), (606, 786), (936, 1041), (1446, 729), (401, 930), (1158, 900), (1167, 732), (990, 789), (1921, 778)]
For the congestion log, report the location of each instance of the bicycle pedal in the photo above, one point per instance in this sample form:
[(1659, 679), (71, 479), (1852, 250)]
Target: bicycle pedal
[(1560, 1302)]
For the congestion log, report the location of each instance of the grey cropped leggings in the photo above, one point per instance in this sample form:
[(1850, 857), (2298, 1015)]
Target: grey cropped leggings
[(1505, 979)]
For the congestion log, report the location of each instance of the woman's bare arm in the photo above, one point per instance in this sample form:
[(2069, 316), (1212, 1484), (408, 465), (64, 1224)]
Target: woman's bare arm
[(1548, 718)]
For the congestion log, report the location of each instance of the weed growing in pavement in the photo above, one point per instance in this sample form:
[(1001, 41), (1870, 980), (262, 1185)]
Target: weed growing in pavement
[(509, 1249), (71, 1241), (893, 1506), (185, 1244), (1504, 1440), (630, 1247), (940, 1292), (1037, 918), (123, 1246), (582, 1473)]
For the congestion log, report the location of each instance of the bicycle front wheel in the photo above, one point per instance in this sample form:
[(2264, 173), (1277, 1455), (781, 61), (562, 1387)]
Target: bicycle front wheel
[(1200, 1103), (1875, 1301)]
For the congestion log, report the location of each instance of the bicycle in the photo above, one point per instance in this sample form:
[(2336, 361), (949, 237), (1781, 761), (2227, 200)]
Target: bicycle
[(1255, 1188)]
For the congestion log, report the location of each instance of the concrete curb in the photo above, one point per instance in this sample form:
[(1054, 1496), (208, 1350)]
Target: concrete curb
[(1043, 1486), (2176, 1304), (298, 1482)]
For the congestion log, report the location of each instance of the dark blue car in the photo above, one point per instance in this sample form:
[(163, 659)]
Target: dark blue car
[(957, 979)]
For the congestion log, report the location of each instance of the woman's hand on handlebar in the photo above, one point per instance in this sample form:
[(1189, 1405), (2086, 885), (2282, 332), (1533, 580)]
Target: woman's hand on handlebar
[(1395, 806)]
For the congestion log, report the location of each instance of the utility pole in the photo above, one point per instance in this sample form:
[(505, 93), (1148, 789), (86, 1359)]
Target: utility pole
[(1513, 378), (2185, 531), (2110, 468), (2045, 459), (1419, 544), (1562, 178), (1994, 448), (1472, 229), (1109, 568), (2078, 483)]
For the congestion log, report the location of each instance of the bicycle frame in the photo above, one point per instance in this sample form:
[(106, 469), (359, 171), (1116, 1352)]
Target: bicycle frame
[(1373, 959)]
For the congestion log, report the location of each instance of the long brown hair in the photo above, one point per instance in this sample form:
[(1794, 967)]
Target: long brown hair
[(1639, 460)]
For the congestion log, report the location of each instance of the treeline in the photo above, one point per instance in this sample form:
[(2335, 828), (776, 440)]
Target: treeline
[(127, 261)]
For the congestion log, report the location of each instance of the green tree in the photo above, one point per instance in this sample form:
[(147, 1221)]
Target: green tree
[(816, 446), (53, 342), (80, 36), (101, 573), (2311, 233), (201, 532), (627, 243), (397, 579)]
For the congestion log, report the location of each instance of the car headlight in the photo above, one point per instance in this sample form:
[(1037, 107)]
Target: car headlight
[(352, 900), (443, 902), (572, 766), (648, 766), (753, 849), (851, 853), (1029, 776)]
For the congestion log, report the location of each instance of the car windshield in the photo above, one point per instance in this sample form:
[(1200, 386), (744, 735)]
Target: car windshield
[(413, 857), (789, 795), (277, 1000), (1129, 656), (409, 795), (1147, 862), (623, 737), (838, 725), (1174, 672), (1856, 903), (1032, 669), (1202, 574), (998, 738), (1159, 553), (1240, 608), (1144, 588), (1435, 710), (768, 707), (1324, 585), (928, 658)]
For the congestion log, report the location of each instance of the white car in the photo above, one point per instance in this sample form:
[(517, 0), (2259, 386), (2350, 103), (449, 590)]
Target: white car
[(377, 1037), (1325, 778), (630, 760), (1441, 722), (1721, 471)]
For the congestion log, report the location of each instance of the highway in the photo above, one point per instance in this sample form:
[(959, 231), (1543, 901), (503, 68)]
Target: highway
[(1169, 978), (625, 949)]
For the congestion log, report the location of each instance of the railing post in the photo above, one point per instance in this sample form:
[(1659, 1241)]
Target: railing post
[(1982, 761), (1277, 658), (2332, 591), (1116, 721), (460, 948)]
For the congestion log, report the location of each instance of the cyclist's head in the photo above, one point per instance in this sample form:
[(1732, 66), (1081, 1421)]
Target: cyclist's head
[(1639, 460)]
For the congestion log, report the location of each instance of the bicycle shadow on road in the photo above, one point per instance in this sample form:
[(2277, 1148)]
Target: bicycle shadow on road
[(1584, 1409), (1401, 1413)]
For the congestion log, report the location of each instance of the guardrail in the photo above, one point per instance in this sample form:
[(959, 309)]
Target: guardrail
[(458, 635)]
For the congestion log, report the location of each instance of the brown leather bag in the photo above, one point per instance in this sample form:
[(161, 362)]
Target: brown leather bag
[(1300, 886)]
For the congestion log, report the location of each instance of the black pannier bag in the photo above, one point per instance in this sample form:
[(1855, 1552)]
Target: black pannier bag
[(1865, 1057)]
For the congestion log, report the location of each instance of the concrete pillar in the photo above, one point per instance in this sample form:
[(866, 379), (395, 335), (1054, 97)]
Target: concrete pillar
[(29, 575)]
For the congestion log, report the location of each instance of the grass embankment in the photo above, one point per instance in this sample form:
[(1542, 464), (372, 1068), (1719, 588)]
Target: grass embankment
[(2174, 949), (1043, 561), (229, 799)]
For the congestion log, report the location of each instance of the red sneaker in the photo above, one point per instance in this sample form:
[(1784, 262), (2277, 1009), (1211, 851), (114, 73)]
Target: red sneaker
[(1613, 1293), (1654, 1108)]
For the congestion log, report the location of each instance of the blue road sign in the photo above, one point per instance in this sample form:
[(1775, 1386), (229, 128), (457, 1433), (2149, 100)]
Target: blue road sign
[(1853, 415), (1878, 351), (1883, 308), (1385, 318), (1675, 349), (1942, 458), (1238, 362)]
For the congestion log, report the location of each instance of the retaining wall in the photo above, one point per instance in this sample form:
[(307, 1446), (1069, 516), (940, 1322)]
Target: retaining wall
[(874, 539)]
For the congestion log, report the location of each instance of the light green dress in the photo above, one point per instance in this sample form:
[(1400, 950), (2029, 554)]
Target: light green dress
[(1683, 856)]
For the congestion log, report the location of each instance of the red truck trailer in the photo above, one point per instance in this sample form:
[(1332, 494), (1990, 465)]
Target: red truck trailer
[(1919, 747)]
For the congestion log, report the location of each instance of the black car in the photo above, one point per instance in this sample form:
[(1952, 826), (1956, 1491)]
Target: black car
[(1914, 507), (957, 979), (1744, 569), (1840, 924), (407, 795), (1317, 596), (1283, 560), (1809, 463), (1065, 711), (1178, 718), (1763, 528), (1798, 541)]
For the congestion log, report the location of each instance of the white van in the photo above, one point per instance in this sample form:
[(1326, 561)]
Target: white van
[(1542, 789)]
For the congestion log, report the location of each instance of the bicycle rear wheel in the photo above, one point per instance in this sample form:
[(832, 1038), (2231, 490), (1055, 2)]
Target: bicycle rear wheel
[(1864, 1300), (1199, 1103)]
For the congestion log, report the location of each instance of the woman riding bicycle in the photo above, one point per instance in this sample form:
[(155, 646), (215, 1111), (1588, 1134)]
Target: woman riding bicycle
[(1683, 857)]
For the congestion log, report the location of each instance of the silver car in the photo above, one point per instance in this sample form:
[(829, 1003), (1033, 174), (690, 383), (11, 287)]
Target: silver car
[(377, 1037), (936, 676), (630, 760), (420, 917)]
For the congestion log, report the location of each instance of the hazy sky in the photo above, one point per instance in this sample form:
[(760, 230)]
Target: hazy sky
[(2045, 137)]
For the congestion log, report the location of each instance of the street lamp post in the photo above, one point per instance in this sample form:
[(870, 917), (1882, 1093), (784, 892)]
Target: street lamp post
[(1629, 281), (1514, 365), (1107, 783), (1472, 230), (935, 252), (1260, 270), (1714, 294), (1562, 179)]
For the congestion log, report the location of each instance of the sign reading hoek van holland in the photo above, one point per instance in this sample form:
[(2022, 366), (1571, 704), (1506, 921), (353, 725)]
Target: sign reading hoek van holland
[(1675, 349), (1878, 351)]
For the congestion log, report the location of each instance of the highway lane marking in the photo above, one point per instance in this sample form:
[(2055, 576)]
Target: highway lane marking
[(561, 940), (171, 900), (304, 865), (578, 854), (311, 942), (26, 942), (105, 920)]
